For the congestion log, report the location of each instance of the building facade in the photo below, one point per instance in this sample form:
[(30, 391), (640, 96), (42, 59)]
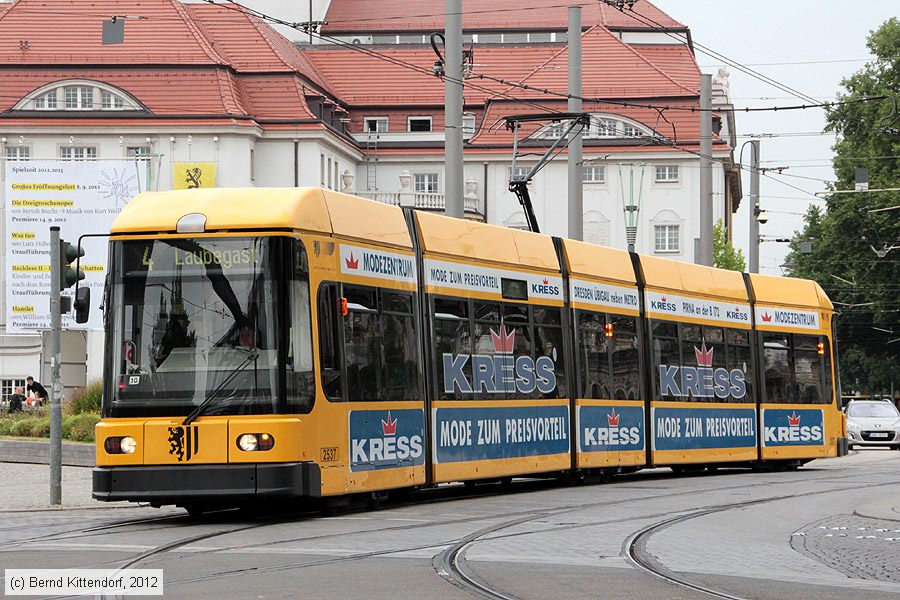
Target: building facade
[(358, 110)]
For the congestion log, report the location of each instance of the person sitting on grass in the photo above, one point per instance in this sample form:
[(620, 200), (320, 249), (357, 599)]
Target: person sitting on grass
[(15, 401)]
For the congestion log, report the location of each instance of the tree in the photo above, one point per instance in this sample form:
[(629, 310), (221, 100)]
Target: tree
[(852, 256), (724, 253)]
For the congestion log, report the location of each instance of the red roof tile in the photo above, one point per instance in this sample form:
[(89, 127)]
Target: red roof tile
[(678, 126), (68, 32), (274, 97), (612, 69), (365, 16), (250, 70), (676, 60), (162, 91), (251, 46)]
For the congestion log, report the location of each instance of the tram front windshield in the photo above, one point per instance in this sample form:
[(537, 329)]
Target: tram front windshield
[(195, 318)]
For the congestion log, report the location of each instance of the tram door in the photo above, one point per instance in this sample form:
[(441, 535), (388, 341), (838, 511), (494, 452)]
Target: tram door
[(799, 413), (371, 423)]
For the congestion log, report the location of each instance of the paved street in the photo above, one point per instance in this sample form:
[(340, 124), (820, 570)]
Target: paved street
[(826, 531)]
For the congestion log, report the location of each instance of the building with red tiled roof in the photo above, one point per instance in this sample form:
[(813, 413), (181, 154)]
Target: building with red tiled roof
[(191, 84), (377, 58), (360, 110)]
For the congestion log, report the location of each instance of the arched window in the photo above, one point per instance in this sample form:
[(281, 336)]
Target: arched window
[(78, 95)]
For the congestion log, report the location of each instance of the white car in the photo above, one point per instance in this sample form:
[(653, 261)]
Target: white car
[(873, 423)]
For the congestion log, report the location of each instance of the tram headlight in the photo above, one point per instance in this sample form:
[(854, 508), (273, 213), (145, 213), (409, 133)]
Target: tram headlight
[(128, 445), (120, 445), (256, 442), (248, 442)]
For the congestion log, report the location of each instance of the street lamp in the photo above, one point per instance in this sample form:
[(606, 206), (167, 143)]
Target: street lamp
[(631, 206)]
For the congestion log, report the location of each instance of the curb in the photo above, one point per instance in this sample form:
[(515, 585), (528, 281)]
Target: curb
[(37, 452)]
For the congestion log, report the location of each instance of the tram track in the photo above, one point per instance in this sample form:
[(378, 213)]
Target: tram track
[(453, 556), (451, 564)]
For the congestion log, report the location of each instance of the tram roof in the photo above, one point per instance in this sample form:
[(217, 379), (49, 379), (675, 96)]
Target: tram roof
[(237, 209), (771, 289), (470, 240), (693, 279), (599, 261)]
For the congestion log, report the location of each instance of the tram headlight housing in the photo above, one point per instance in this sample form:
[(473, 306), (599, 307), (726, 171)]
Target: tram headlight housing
[(255, 442), (120, 445)]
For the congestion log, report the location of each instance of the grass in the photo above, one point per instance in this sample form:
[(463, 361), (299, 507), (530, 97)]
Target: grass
[(81, 415)]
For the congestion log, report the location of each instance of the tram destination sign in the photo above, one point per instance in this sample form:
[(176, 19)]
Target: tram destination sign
[(791, 318), (603, 294), (661, 304), (477, 278), (378, 264)]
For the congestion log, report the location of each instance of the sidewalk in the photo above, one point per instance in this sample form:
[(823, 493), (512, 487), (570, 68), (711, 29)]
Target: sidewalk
[(27, 487), (25, 470)]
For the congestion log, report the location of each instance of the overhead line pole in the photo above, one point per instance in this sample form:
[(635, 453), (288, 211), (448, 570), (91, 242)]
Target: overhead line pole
[(453, 108), (576, 147), (706, 205), (55, 355), (754, 207)]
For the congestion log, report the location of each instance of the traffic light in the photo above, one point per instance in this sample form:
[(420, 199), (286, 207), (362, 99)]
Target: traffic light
[(69, 274)]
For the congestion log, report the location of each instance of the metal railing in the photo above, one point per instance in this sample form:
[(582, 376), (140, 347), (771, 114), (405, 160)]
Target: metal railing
[(422, 200)]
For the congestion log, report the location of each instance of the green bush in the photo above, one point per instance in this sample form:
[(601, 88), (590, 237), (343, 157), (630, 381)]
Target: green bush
[(23, 427), (86, 399), (67, 423), (82, 429), (6, 426), (40, 427)]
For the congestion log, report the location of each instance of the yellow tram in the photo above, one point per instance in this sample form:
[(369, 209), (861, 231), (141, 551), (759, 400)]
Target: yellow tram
[(302, 342)]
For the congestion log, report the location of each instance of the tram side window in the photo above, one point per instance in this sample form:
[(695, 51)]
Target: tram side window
[(808, 369), (518, 340), (488, 335), (803, 374), (451, 339), (593, 355), (701, 348), (398, 334), (777, 365), (380, 345), (625, 359), (739, 356), (666, 353), (362, 344), (480, 349), (330, 331), (300, 375), (549, 342)]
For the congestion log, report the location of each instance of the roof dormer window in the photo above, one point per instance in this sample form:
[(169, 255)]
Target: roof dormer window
[(108, 101), (46, 102), (78, 95)]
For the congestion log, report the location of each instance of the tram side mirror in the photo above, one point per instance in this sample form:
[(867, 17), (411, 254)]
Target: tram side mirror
[(82, 304)]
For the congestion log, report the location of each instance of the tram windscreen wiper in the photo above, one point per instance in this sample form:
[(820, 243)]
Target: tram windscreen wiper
[(214, 393)]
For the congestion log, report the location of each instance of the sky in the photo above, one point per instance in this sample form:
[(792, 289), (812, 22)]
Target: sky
[(813, 34)]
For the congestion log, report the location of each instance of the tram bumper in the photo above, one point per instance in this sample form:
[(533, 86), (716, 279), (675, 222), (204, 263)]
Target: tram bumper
[(843, 447), (166, 484)]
